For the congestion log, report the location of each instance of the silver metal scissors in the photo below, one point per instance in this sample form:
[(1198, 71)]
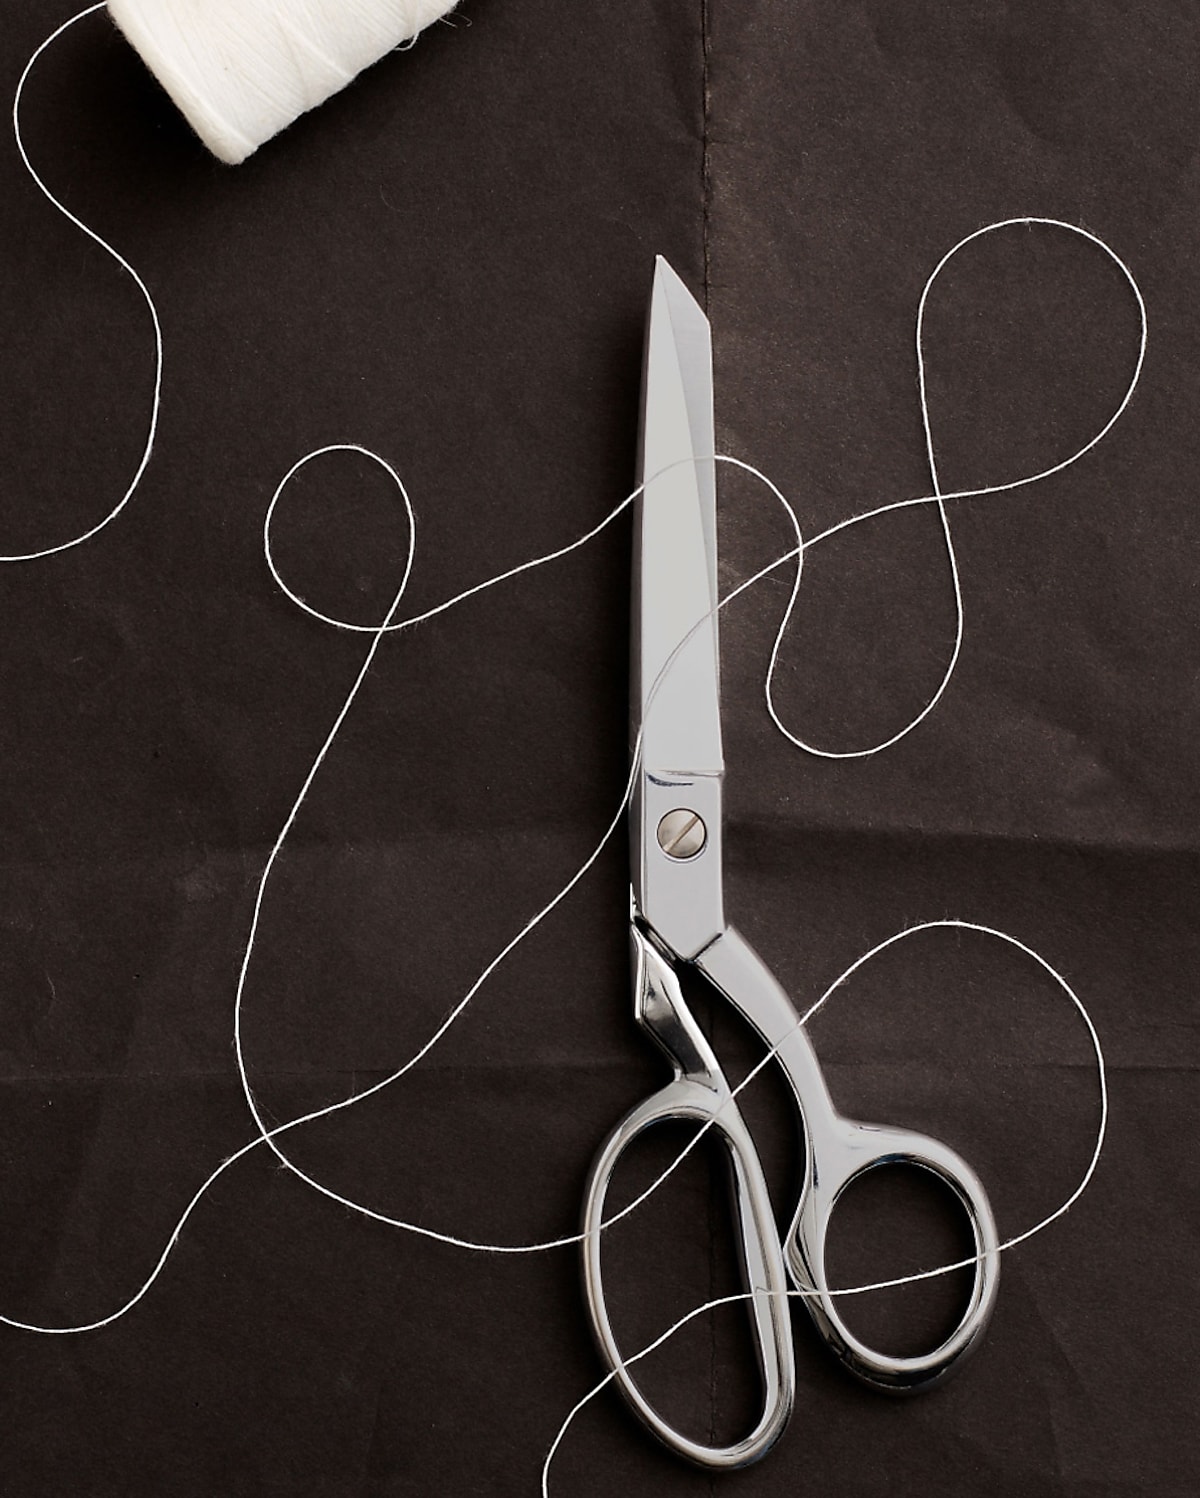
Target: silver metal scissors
[(678, 923)]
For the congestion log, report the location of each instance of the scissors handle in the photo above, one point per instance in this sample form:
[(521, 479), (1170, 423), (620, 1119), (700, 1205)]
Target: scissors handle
[(839, 1157), (701, 1094), (840, 1151)]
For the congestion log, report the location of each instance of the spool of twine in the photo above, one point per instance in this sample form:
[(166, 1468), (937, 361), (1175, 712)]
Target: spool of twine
[(242, 70)]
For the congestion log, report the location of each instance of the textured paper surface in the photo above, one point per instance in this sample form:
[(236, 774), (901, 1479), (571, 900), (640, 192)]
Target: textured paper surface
[(450, 263)]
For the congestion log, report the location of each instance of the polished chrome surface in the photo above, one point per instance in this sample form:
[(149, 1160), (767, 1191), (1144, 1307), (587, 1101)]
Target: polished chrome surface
[(675, 677), (698, 1092), (837, 1151), (678, 922), (675, 583)]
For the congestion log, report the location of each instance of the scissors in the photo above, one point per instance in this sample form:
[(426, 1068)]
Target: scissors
[(678, 924)]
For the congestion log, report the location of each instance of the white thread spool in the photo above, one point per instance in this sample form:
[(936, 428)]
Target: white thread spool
[(242, 70)]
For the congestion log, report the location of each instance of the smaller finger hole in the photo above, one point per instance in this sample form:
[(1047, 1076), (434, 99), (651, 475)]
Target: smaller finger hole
[(894, 1220)]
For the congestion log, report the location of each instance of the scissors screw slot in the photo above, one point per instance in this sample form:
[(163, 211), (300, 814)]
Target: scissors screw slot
[(682, 833)]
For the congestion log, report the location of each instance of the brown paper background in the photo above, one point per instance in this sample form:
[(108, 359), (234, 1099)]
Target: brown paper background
[(449, 263)]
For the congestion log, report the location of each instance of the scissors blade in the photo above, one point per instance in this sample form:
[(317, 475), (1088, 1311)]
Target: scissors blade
[(676, 555), (676, 658)]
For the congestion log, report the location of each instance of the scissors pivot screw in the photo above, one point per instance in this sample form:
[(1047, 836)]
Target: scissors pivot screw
[(682, 834)]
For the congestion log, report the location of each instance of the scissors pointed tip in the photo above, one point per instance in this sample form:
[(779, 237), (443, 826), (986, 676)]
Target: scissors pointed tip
[(670, 288), (678, 358)]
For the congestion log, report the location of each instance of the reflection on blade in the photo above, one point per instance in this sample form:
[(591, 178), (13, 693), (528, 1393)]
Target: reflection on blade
[(675, 586)]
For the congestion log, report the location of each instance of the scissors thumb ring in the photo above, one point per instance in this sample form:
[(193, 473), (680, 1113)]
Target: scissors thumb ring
[(834, 1164)]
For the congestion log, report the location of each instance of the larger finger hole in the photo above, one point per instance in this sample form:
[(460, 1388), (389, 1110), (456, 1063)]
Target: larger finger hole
[(897, 1220), (678, 1250)]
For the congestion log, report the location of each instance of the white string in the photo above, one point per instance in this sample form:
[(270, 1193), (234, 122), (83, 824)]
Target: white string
[(390, 623), (940, 498), (49, 551)]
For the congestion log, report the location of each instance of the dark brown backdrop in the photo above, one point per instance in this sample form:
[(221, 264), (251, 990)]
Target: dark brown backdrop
[(449, 263)]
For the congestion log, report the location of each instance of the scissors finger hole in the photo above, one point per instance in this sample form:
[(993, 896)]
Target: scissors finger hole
[(897, 1219), (676, 1250)]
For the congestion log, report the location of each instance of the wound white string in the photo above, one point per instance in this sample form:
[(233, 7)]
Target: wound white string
[(391, 623), (240, 71)]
